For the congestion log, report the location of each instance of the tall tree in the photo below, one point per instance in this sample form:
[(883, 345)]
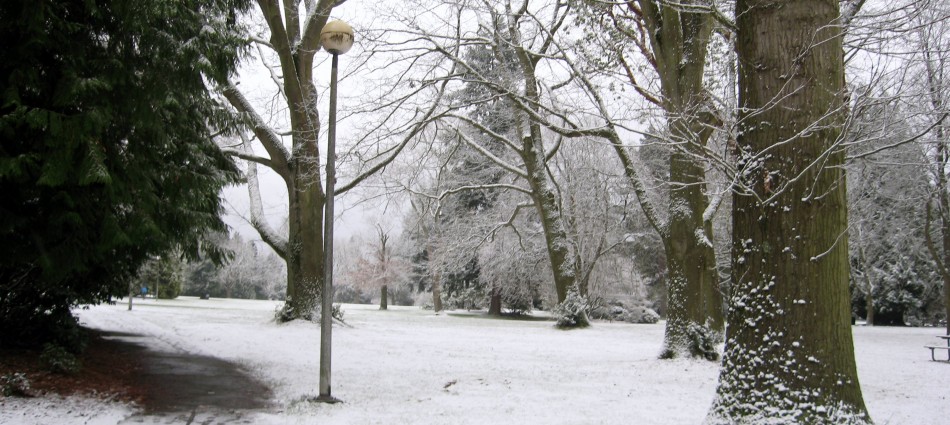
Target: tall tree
[(675, 38), (931, 29), (106, 156), (789, 353), (516, 37), (292, 33)]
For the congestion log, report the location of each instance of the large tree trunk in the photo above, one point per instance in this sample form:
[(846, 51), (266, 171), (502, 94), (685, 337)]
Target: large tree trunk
[(944, 199), (695, 302), (494, 302), (789, 354), (437, 292), (305, 247), (679, 41), (384, 298)]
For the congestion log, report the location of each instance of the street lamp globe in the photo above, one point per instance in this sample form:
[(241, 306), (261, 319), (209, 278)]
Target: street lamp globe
[(336, 37)]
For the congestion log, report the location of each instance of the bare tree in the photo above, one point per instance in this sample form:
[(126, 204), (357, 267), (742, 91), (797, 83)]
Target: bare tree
[(674, 38), (287, 47), (519, 40), (932, 31)]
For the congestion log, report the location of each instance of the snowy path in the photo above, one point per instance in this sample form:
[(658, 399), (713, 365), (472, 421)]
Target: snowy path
[(407, 366)]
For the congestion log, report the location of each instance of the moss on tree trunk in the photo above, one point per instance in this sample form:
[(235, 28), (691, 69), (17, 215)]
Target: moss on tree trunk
[(789, 352)]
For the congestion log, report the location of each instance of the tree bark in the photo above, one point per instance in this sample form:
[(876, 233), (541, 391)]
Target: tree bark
[(494, 302), (789, 354), (300, 167), (943, 198), (679, 40), (437, 291), (384, 298), (534, 157), (693, 281)]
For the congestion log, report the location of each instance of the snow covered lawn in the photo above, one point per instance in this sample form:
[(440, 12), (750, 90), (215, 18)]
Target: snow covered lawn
[(409, 366)]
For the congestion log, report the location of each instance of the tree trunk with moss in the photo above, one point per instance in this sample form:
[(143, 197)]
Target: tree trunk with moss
[(678, 39), (789, 354)]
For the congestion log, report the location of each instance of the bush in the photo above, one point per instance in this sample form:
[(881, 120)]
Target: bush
[(572, 313), (170, 290), (15, 385), (400, 295), (59, 360), (28, 327), (336, 312), (424, 300), (472, 298), (350, 295), (518, 300), (616, 311), (642, 315), (702, 342)]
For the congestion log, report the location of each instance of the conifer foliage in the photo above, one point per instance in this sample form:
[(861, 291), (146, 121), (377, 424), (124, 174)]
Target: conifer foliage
[(107, 156)]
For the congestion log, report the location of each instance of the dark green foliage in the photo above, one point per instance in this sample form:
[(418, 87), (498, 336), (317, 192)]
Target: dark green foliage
[(162, 276), (463, 289), (15, 385), (350, 295), (59, 360), (906, 287), (702, 342), (106, 156)]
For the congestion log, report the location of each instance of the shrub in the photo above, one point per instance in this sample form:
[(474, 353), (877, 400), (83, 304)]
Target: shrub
[(572, 313), (15, 385), (702, 341), (400, 295), (336, 312), (350, 295), (642, 314), (617, 311), (59, 360)]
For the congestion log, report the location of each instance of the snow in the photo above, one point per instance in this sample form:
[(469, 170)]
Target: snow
[(54, 409), (410, 366)]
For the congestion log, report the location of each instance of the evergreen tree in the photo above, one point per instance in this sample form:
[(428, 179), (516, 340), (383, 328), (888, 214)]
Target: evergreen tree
[(106, 157), (162, 276)]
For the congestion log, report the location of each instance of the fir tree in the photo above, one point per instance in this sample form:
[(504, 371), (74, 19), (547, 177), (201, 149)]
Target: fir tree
[(107, 156)]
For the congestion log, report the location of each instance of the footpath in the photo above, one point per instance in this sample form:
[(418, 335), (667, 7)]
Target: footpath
[(181, 388)]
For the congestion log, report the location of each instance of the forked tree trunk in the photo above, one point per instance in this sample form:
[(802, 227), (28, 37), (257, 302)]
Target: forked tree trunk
[(789, 354), (695, 301), (679, 40)]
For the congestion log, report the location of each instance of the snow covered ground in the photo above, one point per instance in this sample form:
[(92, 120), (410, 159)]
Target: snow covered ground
[(409, 366)]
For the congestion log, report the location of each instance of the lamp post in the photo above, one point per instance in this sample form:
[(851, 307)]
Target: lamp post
[(336, 38)]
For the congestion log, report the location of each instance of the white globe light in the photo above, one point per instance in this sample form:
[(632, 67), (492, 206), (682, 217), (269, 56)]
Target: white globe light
[(336, 37)]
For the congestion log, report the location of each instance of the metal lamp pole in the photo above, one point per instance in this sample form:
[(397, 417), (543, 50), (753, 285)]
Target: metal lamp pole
[(336, 38)]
